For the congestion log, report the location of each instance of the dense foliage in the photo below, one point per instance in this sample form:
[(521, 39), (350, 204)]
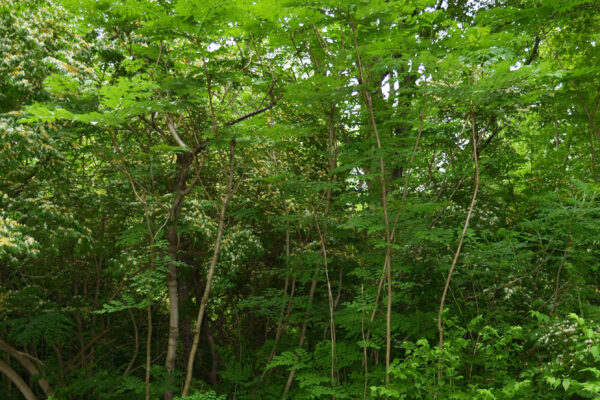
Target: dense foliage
[(299, 199)]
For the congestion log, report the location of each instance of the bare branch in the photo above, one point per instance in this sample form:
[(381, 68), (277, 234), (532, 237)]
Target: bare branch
[(173, 131), (253, 113)]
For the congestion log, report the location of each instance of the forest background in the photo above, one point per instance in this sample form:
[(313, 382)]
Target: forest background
[(299, 199)]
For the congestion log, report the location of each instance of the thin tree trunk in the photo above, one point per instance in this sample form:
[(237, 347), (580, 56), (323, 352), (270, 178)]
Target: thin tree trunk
[(183, 160), (330, 300), (285, 310), (284, 319), (458, 248), (311, 297), (136, 345), (61, 364), (388, 257), (322, 235), (211, 270), (388, 238), (173, 316)]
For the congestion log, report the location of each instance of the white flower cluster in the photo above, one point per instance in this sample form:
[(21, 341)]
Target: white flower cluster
[(195, 216), (13, 240), (239, 245), (28, 36)]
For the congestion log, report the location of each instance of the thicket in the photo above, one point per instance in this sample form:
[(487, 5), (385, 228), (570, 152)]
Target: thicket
[(299, 199)]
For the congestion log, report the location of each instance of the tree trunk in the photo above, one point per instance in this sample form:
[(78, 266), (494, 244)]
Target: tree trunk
[(136, 343), (23, 359), (183, 160), (17, 380), (211, 270), (388, 238), (173, 310), (458, 248)]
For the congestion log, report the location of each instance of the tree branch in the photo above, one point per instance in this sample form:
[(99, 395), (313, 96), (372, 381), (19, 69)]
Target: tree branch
[(255, 112), (534, 51), (15, 378)]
